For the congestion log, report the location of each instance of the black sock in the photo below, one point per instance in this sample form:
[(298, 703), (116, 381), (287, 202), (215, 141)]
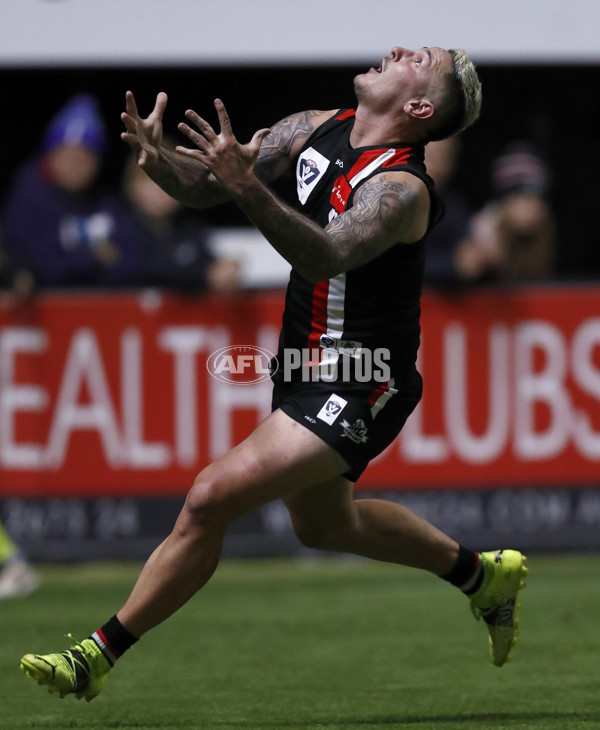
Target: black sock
[(467, 574), (113, 639)]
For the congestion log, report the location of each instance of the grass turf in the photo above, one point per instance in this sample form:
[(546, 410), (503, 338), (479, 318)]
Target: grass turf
[(328, 644)]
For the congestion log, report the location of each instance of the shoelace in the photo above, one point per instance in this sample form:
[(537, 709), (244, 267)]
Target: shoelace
[(77, 645), (77, 664)]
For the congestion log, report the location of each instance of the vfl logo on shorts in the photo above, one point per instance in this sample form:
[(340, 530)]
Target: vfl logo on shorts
[(310, 169), (332, 409)]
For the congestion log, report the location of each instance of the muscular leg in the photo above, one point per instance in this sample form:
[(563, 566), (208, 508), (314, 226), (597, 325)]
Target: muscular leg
[(329, 518), (279, 458)]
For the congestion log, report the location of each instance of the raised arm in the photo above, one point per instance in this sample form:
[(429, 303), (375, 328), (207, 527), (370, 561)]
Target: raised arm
[(188, 181), (391, 207), (388, 209), (187, 178)]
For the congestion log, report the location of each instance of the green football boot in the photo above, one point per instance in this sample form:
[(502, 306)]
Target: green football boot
[(80, 670), (496, 600)]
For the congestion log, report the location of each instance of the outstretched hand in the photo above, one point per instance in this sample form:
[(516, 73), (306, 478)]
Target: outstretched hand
[(230, 162), (144, 136)]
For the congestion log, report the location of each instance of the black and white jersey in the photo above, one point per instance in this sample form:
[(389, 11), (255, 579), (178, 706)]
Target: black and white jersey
[(376, 305)]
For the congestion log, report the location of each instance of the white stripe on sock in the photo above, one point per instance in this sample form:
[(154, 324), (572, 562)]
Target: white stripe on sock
[(104, 648), (466, 587)]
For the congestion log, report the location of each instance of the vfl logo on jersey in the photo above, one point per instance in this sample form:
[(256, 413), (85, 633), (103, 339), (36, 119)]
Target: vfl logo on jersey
[(332, 409), (310, 169)]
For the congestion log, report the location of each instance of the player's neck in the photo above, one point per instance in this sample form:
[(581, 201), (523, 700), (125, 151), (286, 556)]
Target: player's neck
[(371, 128)]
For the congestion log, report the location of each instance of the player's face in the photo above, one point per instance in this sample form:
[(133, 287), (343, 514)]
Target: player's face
[(404, 74)]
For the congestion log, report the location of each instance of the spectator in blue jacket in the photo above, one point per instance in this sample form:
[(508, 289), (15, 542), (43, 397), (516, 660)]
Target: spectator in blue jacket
[(61, 228)]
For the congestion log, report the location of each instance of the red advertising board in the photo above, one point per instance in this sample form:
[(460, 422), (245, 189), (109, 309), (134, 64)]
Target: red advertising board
[(104, 393)]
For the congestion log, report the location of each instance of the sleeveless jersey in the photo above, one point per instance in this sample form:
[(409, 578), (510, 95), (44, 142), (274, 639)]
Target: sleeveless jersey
[(376, 305)]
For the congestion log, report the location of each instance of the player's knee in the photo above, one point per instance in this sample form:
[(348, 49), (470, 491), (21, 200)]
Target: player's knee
[(206, 502)]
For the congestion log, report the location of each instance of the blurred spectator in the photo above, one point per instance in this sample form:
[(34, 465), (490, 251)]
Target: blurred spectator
[(441, 158), (513, 238), (59, 225), (174, 242), (17, 578)]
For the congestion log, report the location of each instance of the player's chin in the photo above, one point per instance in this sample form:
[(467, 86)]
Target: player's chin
[(359, 80)]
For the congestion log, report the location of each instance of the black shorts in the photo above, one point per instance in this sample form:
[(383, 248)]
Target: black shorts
[(358, 420)]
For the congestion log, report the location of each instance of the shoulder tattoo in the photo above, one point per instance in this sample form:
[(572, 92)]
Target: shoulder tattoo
[(278, 143)]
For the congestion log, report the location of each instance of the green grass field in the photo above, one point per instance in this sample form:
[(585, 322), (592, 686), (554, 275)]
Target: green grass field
[(326, 644)]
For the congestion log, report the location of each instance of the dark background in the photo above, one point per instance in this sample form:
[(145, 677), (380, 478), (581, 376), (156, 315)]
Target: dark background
[(556, 106)]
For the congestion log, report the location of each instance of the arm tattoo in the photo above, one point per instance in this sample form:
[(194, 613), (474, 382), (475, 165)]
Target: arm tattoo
[(276, 148), (382, 211), (188, 181)]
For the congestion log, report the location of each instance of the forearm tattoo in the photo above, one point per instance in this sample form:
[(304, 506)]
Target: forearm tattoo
[(188, 181), (192, 183)]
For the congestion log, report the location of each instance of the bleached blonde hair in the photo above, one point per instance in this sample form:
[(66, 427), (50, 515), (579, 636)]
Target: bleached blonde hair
[(470, 86), (462, 98)]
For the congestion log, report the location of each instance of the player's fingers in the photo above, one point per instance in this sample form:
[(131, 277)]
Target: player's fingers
[(257, 138), (130, 105), (160, 105), (131, 139), (198, 139), (128, 123), (205, 129), (196, 154), (224, 120), (256, 141)]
